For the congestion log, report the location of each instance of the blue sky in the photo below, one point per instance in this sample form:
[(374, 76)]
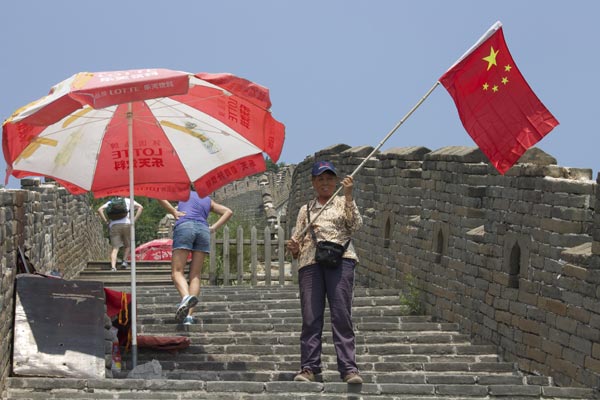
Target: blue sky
[(340, 71)]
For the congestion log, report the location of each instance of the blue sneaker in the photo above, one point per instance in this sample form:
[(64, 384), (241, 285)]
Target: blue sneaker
[(184, 307), (189, 320)]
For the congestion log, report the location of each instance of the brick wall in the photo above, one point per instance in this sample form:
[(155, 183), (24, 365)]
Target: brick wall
[(514, 259), (59, 233)]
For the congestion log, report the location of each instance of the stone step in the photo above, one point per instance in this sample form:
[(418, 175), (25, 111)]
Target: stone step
[(123, 283), (165, 328), (141, 273), (290, 365), (361, 322), (379, 345), (273, 292), (247, 302), (275, 289), (270, 349), (377, 349), (255, 306), (205, 313), (291, 317), (416, 361), (48, 388), (103, 264), (155, 273), (273, 338), (402, 377)]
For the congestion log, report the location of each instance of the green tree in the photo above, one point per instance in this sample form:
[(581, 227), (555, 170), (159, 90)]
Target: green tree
[(271, 166), (147, 223)]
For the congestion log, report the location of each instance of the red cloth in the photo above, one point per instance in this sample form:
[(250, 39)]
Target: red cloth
[(169, 343), (117, 303), (495, 103), (114, 302)]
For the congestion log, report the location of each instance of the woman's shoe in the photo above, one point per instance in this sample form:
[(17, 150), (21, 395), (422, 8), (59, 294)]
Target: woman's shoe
[(184, 307)]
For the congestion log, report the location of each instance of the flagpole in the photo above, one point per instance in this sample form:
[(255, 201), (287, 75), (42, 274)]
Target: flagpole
[(375, 150), (134, 349)]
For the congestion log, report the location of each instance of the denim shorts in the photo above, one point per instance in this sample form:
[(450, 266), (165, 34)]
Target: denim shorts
[(191, 235)]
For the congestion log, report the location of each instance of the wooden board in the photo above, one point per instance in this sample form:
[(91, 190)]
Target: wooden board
[(59, 328)]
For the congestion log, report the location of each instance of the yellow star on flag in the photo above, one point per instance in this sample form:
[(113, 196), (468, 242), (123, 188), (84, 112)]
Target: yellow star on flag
[(491, 59)]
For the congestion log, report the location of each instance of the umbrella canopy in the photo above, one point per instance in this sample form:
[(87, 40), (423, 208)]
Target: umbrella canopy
[(154, 250), (209, 129), (149, 132)]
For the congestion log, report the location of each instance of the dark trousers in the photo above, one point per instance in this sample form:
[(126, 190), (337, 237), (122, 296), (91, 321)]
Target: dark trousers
[(337, 284)]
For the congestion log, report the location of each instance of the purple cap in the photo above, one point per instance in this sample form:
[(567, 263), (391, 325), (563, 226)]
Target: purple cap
[(321, 166)]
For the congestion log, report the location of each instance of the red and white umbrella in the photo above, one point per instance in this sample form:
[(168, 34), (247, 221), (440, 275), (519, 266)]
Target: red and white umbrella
[(173, 127), (156, 250), (148, 132)]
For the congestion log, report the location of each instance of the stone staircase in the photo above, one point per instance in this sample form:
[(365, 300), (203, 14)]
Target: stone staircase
[(246, 346)]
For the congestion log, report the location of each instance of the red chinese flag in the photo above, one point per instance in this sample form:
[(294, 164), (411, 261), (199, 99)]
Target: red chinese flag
[(496, 105)]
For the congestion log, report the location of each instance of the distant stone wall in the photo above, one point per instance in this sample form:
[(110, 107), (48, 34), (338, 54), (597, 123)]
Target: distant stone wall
[(59, 233), (259, 200), (247, 207), (514, 259)]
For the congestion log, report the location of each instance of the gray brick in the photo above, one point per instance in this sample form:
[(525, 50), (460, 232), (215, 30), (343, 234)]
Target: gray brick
[(515, 390), (407, 389), (451, 379), (244, 387), (569, 393), (463, 390), (287, 387)]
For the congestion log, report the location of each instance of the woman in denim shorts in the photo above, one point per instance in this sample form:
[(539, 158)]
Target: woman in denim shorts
[(192, 235)]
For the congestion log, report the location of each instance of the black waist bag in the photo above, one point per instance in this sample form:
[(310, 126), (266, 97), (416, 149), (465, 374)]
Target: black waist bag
[(328, 254)]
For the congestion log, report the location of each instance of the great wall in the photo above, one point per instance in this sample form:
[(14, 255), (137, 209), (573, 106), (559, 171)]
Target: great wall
[(513, 259)]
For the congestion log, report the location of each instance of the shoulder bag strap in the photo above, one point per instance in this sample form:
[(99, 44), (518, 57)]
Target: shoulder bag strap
[(347, 244), (312, 231)]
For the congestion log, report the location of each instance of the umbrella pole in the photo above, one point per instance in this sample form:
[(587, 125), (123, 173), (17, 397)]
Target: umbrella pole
[(132, 244), (375, 150)]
